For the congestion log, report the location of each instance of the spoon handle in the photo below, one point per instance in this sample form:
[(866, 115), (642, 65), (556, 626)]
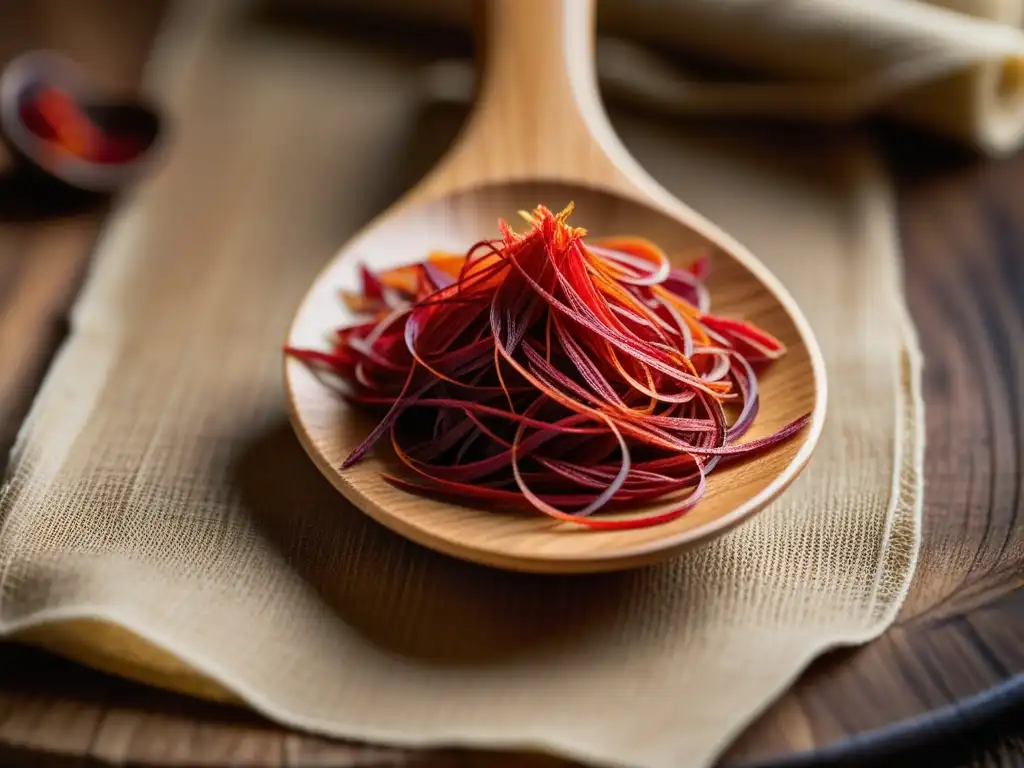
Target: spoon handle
[(538, 114)]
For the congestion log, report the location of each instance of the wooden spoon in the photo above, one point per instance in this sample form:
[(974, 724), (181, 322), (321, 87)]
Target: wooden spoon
[(539, 135)]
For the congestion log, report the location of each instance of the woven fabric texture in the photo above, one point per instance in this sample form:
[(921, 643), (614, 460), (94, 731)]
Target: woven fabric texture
[(161, 520)]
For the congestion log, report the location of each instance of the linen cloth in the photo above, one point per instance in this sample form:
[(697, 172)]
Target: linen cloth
[(161, 521)]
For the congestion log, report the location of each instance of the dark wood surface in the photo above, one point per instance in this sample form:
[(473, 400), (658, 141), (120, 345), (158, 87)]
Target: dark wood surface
[(944, 686)]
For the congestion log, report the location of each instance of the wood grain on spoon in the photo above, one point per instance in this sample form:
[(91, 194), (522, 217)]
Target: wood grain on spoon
[(539, 135)]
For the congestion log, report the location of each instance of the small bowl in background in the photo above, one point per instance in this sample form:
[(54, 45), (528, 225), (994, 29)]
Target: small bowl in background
[(22, 80)]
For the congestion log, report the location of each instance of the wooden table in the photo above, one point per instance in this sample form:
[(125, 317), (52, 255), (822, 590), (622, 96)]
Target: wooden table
[(946, 679)]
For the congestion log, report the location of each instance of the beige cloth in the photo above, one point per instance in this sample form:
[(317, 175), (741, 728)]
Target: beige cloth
[(161, 517), (951, 67)]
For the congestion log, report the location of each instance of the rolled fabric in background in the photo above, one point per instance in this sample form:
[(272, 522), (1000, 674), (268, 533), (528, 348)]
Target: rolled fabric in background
[(954, 68)]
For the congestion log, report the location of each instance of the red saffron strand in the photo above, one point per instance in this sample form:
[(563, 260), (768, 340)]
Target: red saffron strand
[(545, 371)]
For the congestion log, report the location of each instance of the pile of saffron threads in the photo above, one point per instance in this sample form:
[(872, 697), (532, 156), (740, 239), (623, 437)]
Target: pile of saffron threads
[(547, 371), (67, 130)]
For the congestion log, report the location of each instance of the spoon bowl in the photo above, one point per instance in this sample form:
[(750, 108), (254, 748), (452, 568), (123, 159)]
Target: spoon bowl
[(494, 170)]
